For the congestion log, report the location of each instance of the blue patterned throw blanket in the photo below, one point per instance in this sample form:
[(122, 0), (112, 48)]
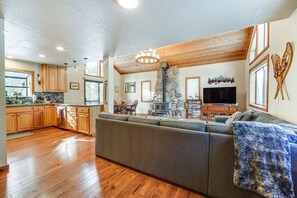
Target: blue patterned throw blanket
[(262, 159)]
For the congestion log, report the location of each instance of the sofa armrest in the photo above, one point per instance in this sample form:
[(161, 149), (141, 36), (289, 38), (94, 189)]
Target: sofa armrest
[(221, 119)]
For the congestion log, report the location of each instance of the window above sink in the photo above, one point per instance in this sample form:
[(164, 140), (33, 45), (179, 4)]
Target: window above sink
[(19, 83)]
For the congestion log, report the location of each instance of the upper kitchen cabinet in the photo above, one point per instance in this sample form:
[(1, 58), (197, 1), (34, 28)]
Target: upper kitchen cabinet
[(54, 78)]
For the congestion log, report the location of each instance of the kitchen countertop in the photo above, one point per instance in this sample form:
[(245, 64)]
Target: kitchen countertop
[(64, 104)]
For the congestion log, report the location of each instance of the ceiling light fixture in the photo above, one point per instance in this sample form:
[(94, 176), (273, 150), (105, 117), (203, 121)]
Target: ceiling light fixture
[(147, 57), (60, 48), (74, 66), (41, 55), (10, 57), (128, 4), (85, 62)]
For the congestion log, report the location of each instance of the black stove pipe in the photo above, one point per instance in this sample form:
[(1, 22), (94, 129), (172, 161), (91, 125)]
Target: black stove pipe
[(164, 84)]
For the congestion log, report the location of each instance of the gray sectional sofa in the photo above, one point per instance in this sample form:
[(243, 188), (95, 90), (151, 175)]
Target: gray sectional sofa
[(193, 154)]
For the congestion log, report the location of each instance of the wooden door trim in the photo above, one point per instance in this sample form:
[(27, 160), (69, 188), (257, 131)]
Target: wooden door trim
[(199, 87)]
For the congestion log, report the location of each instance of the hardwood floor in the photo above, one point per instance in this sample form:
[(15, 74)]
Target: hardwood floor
[(58, 163)]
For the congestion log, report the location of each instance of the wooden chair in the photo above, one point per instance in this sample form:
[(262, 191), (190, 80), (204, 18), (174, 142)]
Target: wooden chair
[(132, 109), (116, 108)]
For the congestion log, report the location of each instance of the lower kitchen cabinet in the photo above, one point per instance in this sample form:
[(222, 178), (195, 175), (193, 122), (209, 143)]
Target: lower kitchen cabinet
[(71, 118), (50, 116), (24, 118), (83, 123), (24, 121), (38, 117), (82, 119), (10, 123)]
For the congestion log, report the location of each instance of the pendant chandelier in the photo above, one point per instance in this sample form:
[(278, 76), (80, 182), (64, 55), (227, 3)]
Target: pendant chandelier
[(147, 57)]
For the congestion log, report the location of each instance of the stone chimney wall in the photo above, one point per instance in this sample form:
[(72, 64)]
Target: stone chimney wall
[(173, 93)]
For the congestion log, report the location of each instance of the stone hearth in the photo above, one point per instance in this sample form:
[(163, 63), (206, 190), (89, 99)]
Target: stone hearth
[(173, 94)]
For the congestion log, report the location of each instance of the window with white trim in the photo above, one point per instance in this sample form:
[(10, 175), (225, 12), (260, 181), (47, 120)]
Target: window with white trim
[(258, 85), (260, 41)]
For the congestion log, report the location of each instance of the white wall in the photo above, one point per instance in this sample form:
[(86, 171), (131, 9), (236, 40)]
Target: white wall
[(281, 32), (117, 82), (138, 77), (230, 69), (3, 154), (77, 96), (234, 69), (17, 64)]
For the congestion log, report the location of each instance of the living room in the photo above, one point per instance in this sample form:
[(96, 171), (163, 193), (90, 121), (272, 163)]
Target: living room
[(134, 98)]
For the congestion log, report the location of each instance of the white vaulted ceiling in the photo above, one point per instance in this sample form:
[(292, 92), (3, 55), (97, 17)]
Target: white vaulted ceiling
[(93, 28)]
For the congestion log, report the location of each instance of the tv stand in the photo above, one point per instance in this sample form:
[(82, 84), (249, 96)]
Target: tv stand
[(209, 111)]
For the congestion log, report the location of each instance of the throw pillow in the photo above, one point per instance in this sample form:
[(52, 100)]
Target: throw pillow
[(234, 117), (245, 116)]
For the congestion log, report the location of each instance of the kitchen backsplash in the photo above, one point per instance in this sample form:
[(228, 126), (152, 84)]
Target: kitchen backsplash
[(37, 98), (49, 96), (19, 100)]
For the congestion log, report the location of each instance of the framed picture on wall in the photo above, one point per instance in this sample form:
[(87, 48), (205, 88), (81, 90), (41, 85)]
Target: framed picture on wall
[(130, 87), (74, 86), (116, 89), (146, 91)]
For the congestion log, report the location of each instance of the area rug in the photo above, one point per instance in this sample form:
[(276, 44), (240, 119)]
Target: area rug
[(18, 135)]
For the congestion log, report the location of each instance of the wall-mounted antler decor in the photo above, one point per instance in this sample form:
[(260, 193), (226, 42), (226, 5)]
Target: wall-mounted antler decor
[(281, 68)]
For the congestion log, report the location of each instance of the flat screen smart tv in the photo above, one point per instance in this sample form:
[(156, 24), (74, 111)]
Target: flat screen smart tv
[(221, 95)]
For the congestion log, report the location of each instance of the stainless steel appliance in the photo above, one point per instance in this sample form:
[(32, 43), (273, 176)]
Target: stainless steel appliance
[(61, 116)]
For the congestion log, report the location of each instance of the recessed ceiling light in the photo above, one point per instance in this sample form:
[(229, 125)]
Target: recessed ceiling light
[(41, 55), (128, 4), (60, 48), (10, 57)]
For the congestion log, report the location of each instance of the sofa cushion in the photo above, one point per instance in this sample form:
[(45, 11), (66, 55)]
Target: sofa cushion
[(255, 114), (144, 120), (216, 127), (196, 125), (112, 116), (267, 118), (235, 116), (245, 116)]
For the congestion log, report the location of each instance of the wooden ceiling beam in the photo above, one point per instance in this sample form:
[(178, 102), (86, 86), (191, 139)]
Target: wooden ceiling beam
[(240, 55), (229, 46)]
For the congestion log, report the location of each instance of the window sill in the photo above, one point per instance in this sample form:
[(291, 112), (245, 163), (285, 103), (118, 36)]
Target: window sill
[(260, 54), (259, 107)]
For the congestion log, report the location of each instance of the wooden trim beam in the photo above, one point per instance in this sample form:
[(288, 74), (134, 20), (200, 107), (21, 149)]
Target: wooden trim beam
[(4, 168)]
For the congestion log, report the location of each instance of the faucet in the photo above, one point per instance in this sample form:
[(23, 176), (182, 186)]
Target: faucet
[(13, 92)]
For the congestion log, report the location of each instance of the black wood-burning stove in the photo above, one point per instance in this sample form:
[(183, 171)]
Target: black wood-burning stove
[(162, 108)]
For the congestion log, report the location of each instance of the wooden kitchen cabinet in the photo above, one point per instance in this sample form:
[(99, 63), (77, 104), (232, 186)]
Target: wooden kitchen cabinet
[(54, 78), (38, 117), (24, 121), (62, 79), (10, 123), (71, 118), (22, 118), (50, 116), (78, 119), (83, 123)]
